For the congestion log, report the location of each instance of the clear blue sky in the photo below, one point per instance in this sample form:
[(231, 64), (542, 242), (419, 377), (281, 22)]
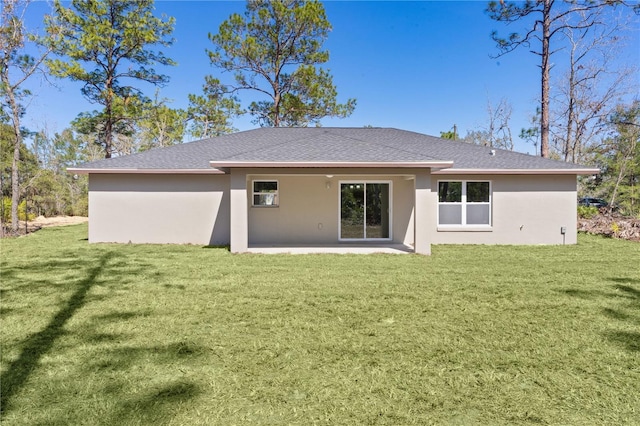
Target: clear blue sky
[(421, 65)]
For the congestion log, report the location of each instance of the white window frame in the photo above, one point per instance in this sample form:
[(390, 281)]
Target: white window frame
[(463, 203), (254, 193), (365, 181)]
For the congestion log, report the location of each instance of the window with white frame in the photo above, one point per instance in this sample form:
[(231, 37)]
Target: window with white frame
[(464, 203), (265, 193)]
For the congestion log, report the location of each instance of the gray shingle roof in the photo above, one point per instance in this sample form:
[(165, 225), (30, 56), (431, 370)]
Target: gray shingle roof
[(327, 145)]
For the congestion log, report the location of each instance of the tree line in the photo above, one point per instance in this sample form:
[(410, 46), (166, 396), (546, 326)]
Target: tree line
[(274, 50), (582, 116), (112, 47)]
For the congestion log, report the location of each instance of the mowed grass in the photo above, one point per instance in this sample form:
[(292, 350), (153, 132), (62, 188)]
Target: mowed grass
[(102, 334)]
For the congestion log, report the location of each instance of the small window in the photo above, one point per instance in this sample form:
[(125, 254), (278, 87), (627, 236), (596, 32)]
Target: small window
[(265, 193), (464, 203)]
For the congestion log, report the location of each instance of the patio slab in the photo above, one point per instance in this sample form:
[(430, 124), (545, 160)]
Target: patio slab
[(335, 249)]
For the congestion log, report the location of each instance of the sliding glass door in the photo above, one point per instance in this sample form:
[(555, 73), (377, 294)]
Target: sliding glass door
[(364, 210)]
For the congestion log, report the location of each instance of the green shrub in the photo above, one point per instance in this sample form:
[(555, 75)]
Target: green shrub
[(81, 207), (6, 210), (587, 212)]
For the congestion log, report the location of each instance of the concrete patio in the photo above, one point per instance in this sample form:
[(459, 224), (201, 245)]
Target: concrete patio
[(344, 248)]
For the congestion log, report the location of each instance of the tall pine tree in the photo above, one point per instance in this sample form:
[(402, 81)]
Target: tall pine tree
[(275, 50), (107, 44)]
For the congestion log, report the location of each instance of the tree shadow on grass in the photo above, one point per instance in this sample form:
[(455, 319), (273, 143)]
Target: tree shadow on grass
[(619, 291), (149, 402), (616, 314), (157, 405), (627, 281), (36, 346), (629, 339), (627, 310), (124, 357), (629, 291)]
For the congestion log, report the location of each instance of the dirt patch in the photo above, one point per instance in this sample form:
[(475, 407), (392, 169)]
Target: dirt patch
[(611, 225), (44, 222)]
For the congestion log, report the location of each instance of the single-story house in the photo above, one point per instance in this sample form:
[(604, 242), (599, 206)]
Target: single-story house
[(331, 187)]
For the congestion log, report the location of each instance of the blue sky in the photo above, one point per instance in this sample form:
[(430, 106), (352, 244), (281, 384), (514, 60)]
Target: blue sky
[(421, 65)]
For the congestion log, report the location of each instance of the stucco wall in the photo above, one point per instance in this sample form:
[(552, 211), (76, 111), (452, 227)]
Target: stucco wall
[(308, 211), (525, 210), (196, 208), (179, 209)]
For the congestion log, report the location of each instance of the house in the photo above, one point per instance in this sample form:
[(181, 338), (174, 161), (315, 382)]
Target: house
[(331, 187)]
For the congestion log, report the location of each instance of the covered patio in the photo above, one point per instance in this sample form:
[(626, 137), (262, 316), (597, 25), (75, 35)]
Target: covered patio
[(302, 210)]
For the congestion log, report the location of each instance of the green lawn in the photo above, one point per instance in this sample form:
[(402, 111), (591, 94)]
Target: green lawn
[(184, 335)]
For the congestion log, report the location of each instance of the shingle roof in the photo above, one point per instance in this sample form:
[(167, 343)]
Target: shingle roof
[(326, 145)]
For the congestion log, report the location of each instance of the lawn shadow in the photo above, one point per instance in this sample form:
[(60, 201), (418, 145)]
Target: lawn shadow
[(616, 314), (147, 403), (627, 281), (620, 291), (90, 329), (629, 339), (19, 277), (627, 299), (156, 405), (118, 316), (584, 294), (222, 247), (38, 344), (630, 291), (124, 357)]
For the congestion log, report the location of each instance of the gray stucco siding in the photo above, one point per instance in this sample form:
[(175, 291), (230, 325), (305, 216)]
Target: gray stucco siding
[(148, 208), (309, 211), (525, 209), (195, 209)]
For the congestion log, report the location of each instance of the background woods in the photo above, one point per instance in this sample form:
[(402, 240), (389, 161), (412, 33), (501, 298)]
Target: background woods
[(268, 63)]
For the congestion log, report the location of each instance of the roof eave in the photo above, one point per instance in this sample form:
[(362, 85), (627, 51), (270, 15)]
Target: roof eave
[(576, 171), (86, 171)]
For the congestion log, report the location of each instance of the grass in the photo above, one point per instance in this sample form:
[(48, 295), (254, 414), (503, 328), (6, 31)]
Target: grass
[(184, 335)]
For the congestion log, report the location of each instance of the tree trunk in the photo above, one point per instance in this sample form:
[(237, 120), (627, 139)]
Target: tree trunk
[(619, 178), (276, 109), (1, 206), (544, 104), (108, 126), (15, 118), (568, 144), (15, 180)]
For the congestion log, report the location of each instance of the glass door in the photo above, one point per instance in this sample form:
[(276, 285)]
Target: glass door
[(364, 211), (352, 210)]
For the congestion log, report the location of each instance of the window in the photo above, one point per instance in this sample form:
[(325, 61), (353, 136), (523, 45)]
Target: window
[(464, 203), (265, 193)]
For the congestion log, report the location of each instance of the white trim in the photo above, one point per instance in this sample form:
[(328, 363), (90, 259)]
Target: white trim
[(583, 171), (86, 171), (438, 168), (468, 228), (365, 181)]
